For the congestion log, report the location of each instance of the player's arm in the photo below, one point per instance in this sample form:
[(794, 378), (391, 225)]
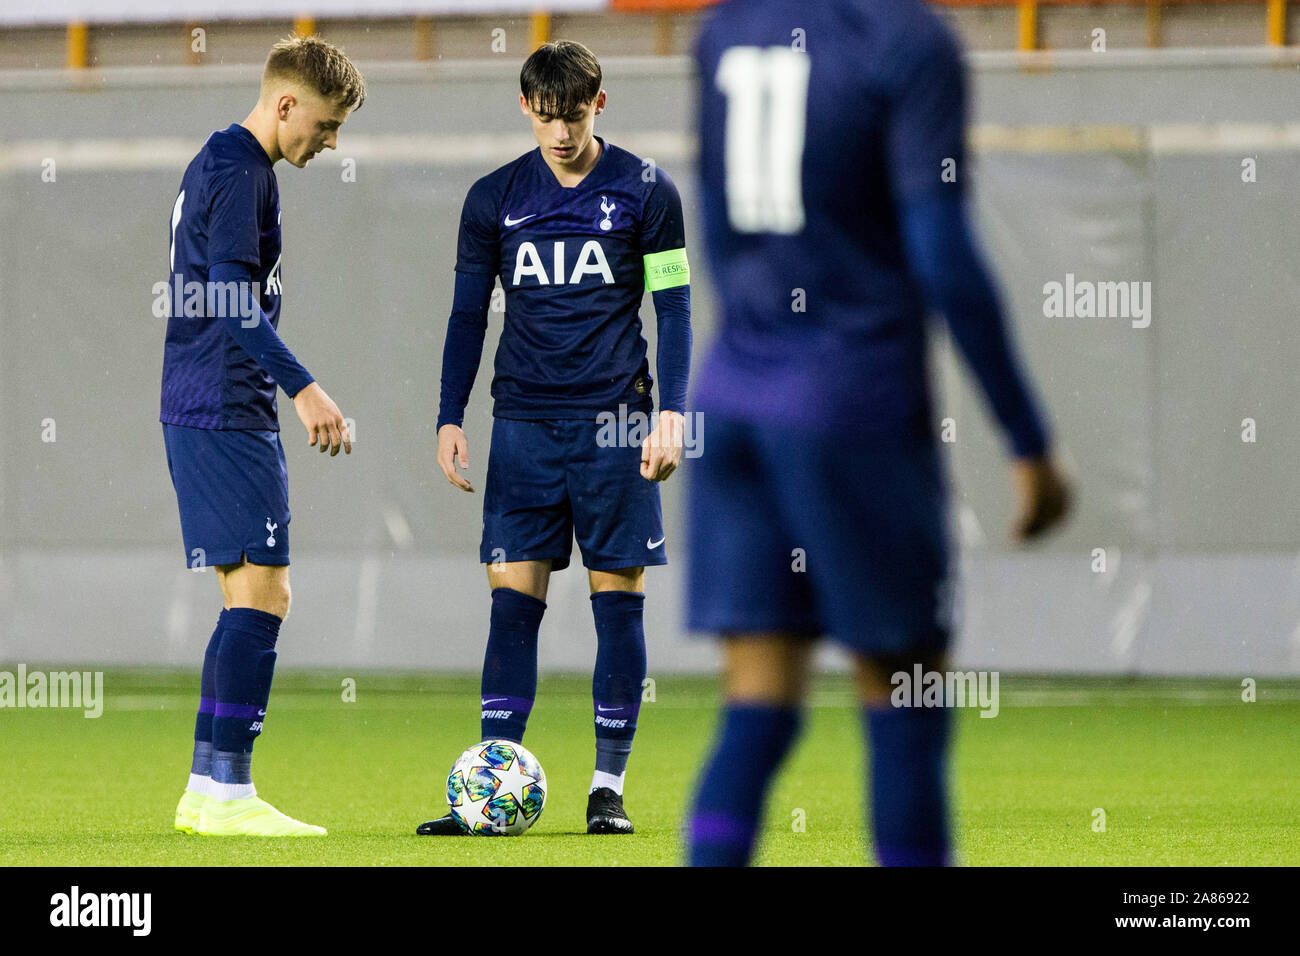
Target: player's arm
[(234, 251), (927, 138), (942, 254), (461, 352), (668, 277), (477, 260)]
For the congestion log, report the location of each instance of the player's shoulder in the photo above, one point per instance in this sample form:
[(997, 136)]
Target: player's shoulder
[(893, 35), (871, 36), (232, 157), (645, 174), (917, 36), (491, 189)]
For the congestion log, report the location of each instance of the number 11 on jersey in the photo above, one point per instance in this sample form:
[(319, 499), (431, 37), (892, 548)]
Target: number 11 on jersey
[(767, 111)]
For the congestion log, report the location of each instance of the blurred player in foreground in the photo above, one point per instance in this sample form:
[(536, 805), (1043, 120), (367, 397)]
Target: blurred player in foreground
[(833, 177), (222, 362), (577, 230)]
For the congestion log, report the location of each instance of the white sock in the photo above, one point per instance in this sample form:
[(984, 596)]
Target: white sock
[(613, 781), (231, 791), (199, 784)]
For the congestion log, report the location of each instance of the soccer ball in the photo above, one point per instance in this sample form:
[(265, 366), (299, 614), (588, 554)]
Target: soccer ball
[(496, 788)]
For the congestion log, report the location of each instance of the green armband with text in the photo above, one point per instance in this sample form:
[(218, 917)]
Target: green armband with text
[(667, 270)]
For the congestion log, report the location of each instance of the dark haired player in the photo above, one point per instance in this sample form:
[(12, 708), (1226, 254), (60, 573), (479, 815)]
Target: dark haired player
[(833, 165), (576, 230), (221, 365)]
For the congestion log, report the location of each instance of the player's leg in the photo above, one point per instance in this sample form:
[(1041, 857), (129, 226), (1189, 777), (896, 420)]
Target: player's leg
[(618, 523), (233, 491), (765, 679), (233, 498), (747, 582), (617, 604), (258, 598), (183, 447), (527, 534), (879, 564), (200, 779), (908, 748), (509, 684)]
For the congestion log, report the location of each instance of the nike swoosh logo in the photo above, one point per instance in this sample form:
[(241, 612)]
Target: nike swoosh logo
[(515, 222), (654, 544), (495, 700), (604, 709)]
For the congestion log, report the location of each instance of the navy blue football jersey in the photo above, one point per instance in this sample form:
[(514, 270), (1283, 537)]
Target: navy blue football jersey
[(816, 121), (227, 210), (574, 264)]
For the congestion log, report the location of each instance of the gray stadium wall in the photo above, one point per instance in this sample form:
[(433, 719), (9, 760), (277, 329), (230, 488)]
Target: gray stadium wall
[(1114, 167)]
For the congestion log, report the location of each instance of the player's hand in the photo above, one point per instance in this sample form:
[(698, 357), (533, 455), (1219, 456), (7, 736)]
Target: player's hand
[(1045, 497), (453, 447), (661, 452), (323, 420)]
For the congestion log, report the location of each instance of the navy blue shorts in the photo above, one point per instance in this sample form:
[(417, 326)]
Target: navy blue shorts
[(232, 488), (815, 533), (548, 481)]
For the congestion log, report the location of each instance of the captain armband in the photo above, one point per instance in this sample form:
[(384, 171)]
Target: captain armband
[(667, 270)]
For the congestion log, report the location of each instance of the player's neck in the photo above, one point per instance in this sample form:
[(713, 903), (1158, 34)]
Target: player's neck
[(263, 129), (574, 173)]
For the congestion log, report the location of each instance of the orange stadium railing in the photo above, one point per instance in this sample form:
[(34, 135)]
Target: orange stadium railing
[(1275, 15), (1027, 21)]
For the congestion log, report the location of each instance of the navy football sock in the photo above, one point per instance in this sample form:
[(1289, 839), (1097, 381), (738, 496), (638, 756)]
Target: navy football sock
[(510, 665), (728, 805), (909, 799), (616, 680), (201, 763), (245, 666)]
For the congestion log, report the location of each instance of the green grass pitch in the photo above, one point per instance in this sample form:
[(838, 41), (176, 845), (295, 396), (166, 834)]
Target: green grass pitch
[(1185, 772)]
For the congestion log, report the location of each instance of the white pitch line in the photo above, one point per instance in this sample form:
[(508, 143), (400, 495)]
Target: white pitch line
[(1008, 699)]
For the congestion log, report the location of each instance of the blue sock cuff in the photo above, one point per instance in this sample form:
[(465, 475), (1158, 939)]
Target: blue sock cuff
[(763, 732), (617, 600), (767, 730), (776, 716), (910, 722), (510, 600), (249, 620)]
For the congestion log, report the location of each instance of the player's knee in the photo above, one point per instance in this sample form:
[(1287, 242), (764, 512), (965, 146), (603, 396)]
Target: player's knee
[(280, 599), (268, 590), (767, 668), (627, 579), (526, 577), (286, 602), (875, 674)]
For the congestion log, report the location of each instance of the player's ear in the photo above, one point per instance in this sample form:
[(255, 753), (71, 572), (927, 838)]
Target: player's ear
[(284, 104), (600, 102), (523, 105)]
